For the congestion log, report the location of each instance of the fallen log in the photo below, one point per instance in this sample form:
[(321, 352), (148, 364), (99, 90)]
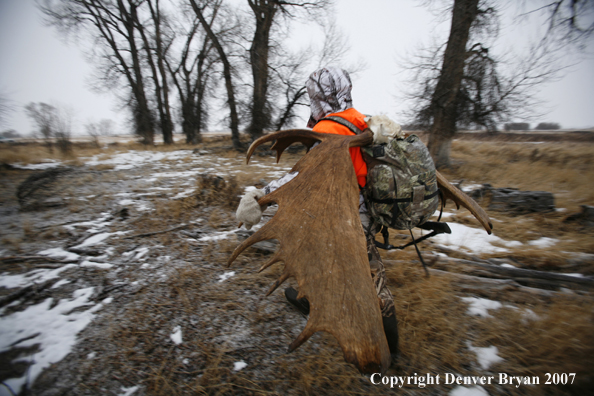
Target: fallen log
[(521, 275), (497, 289), (33, 289), (157, 232), (494, 289), (20, 259)]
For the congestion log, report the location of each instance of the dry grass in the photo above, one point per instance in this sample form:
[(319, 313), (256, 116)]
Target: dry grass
[(27, 154), (554, 338), (564, 169), (215, 190), (433, 324), (429, 340)]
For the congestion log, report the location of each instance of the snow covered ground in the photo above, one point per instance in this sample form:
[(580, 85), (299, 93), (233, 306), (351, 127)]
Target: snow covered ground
[(50, 327)]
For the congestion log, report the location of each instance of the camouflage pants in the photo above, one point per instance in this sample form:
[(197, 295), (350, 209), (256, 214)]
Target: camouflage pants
[(378, 272)]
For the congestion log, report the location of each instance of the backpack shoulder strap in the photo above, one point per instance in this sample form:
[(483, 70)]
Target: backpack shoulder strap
[(352, 127)]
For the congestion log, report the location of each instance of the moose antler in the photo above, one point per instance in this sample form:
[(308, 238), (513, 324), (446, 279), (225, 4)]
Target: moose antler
[(322, 245), (452, 192)]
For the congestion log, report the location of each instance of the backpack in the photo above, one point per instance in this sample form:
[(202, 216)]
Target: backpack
[(401, 190)]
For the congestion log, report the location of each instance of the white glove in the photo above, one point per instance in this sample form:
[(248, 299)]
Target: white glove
[(248, 211), (384, 129)]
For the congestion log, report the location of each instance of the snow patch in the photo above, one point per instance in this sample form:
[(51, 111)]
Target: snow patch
[(576, 275), (217, 236), (480, 306), (29, 278), (239, 365), (486, 356), (543, 242), (471, 187), (226, 276), (473, 239), (42, 166), (52, 329), (128, 391), (98, 238), (184, 194), (95, 225), (139, 253), (60, 283), (472, 391), (176, 336), (59, 253), (92, 264)]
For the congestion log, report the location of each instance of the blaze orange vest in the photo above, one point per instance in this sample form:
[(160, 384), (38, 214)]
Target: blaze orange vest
[(358, 119)]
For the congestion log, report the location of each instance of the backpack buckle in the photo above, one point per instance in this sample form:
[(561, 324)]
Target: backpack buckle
[(378, 151)]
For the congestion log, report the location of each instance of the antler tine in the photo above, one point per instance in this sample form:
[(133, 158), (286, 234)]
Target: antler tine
[(260, 235), (304, 336), (284, 139), (278, 282), (460, 198), (275, 259)]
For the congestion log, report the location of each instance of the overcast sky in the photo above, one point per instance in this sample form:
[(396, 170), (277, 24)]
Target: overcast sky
[(37, 65)]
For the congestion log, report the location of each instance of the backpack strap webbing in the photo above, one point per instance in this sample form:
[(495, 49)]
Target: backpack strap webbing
[(352, 127), (419, 253), (435, 227), (396, 200)]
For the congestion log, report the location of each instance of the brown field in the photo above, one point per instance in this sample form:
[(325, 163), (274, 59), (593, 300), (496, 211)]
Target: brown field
[(227, 322)]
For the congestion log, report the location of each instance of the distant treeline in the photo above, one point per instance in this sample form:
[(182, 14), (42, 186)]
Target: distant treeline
[(524, 126), (510, 126)]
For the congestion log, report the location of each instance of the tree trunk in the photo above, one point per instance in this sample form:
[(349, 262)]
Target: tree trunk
[(165, 109), (158, 73), (226, 74), (142, 114), (443, 103), (264, 12)]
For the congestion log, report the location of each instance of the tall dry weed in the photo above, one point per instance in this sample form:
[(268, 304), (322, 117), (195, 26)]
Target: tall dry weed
[(215, 190)]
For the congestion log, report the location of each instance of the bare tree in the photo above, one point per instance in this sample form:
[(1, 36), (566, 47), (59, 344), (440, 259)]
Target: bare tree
[(462, 83), (569, 21), (63, 129), (106, 127), (6, 107), (212, 6), (290, 70), (192, 73), (156, 46), (98, 129), (112, 26), (443, 101), (43, 115), (290, 77), (52, 122), (92, 130), (265, 13)]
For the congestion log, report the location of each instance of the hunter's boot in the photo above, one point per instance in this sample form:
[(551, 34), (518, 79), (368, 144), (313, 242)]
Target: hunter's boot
[(301, 304)]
